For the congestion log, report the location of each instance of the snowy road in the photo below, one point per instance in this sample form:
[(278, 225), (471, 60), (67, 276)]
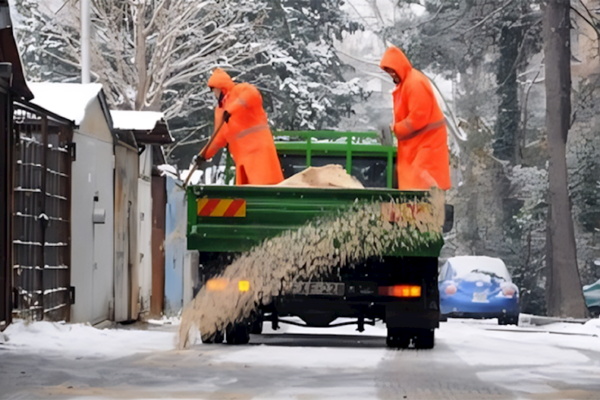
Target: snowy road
[(471, 360)]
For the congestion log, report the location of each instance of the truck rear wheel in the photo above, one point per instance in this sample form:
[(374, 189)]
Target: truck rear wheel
[(238, 334), (397, 338), (257, 327), (425, 339), (401, 338), (257, 323), (216, 337)]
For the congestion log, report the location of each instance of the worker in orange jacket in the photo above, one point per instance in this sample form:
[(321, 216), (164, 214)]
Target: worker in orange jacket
[(419, 126), (245, 131)]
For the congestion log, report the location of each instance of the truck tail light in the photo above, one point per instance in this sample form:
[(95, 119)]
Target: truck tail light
[(400, 291), (216, 284)]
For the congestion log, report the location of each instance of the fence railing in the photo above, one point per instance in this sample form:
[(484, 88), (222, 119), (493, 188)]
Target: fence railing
[(41, 214)]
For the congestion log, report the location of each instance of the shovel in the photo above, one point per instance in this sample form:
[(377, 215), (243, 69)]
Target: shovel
[(201, 154)]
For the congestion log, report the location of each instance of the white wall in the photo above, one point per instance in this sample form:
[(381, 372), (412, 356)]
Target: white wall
[(145, 229), (92, 244)]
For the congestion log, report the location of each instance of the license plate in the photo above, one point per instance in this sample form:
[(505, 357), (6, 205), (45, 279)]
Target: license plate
[(480, 297), (318, 288)]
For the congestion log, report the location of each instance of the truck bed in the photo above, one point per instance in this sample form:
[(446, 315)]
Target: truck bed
[(270, 210)]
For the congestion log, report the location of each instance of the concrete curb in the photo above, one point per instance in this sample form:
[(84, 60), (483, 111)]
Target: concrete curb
[(538, 320)]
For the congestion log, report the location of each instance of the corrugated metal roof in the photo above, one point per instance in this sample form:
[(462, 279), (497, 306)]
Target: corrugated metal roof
[(149, 127)]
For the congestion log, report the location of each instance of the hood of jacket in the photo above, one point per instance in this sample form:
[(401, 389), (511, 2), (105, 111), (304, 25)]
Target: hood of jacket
[(221, 80), (396, 60)]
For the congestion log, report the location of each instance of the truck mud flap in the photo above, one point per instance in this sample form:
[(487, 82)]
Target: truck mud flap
[(397, 317)]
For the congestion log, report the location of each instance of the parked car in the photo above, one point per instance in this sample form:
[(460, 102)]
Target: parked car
[(478, 287), (591, 293)]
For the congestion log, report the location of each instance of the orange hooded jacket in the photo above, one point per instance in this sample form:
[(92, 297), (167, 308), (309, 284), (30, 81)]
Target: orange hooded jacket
[(419, 124), (247, 133)]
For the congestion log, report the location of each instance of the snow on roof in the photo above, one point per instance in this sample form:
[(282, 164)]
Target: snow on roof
[(167, 169), (135, 120), (463, 265), (196, 176), (69, 100)]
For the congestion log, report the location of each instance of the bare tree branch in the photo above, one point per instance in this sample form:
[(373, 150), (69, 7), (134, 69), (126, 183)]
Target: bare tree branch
[(490, 15)]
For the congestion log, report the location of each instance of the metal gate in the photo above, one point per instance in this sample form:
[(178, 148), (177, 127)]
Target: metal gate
[(41, 214)]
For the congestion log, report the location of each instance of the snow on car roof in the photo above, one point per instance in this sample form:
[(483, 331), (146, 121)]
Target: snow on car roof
[(69, 100), (135, 120), (464, 265)]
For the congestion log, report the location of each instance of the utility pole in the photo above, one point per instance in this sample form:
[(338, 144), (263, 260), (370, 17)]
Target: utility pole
[(85, 41)]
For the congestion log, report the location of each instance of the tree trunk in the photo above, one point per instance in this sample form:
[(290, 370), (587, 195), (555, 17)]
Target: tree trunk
[(564, 292), (140, 56)]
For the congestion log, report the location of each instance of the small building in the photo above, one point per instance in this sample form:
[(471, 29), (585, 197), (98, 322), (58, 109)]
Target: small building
[(113, 210), (93, 270), (181, 265), (175, 246), (150, 132)]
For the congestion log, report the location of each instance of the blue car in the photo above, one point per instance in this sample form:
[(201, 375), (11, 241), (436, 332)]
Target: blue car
[(478, 287)]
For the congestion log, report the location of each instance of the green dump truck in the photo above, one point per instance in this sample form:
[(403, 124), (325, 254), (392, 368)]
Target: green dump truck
[(399, 287)]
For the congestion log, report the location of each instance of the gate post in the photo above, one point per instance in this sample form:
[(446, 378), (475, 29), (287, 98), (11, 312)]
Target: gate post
[(6, 196)]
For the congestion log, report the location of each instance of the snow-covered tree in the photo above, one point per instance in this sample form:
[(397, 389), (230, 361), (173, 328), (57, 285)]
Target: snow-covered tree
[(158, 54), (143, 50), (301, 77), (527, 240), (307, 88)]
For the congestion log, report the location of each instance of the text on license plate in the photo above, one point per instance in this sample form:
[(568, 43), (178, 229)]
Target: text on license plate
[(318, 288), (480, 297)]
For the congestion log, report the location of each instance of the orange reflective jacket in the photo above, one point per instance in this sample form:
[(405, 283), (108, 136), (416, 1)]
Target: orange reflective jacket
[(247, 133), (419, 124)]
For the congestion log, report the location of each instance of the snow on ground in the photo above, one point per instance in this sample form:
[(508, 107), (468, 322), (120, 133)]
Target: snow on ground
[(302, 357), (175, 321), (79, 340), (591, 327), (471, 340), (526, 359), (295, 362)]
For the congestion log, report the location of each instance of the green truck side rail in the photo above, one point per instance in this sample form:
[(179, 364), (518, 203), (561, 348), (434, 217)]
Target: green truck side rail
[(351, 148), (348, 145), (271, 210)]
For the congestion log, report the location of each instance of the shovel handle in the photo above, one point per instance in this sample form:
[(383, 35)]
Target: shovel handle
[(192, 170), (201, 154)]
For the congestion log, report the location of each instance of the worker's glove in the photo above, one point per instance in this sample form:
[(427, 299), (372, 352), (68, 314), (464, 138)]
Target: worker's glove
[(226, 116), (198, 160)]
